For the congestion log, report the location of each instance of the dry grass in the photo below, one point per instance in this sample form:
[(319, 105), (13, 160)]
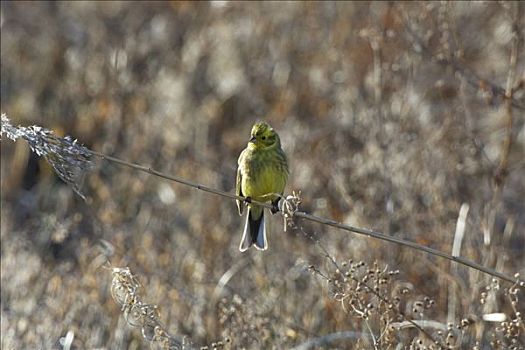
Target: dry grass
[(394, 116)]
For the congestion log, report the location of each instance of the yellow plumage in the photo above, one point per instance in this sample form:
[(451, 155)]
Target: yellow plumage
[(261, 175)]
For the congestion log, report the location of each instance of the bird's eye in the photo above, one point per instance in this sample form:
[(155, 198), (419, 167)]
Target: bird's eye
[(264, 137)]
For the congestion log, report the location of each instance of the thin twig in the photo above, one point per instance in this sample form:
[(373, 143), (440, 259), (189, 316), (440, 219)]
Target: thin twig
[(470, 77), (421, 323), (14, 132), (456, 250), (405, 243), (227, 276), (329, 338), (502, 171), (177, 179), (372, 290), (310, 217)]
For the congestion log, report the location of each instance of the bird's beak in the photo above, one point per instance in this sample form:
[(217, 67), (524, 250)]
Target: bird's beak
[(252, 139)]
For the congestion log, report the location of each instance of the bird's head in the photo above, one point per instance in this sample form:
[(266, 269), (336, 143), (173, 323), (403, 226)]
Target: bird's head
[(263, 136)]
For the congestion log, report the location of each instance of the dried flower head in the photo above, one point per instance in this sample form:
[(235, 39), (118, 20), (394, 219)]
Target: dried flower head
[(70, 159)]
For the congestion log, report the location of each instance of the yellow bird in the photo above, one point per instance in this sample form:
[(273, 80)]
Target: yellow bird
[(261, 176)]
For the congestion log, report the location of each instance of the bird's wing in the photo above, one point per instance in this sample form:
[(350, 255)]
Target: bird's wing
[(238, 190)]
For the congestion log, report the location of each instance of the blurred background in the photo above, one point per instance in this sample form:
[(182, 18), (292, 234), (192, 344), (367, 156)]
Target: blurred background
[(388, 112)]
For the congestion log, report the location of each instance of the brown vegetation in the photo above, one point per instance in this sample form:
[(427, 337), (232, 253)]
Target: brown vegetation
[(407, 118)]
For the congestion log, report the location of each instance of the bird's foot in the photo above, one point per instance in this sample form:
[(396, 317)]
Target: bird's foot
[(275, 207)]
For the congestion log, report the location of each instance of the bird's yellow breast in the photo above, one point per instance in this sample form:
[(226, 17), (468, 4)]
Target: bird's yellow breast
[(263, 173)]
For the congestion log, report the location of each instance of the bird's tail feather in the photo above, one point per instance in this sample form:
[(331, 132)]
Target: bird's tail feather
[(254, 233)]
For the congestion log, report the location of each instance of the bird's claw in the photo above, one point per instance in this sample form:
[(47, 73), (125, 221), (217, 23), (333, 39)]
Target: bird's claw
[(275, 207)]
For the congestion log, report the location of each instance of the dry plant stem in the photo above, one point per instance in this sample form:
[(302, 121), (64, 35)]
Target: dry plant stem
[(226, 277), (502, 170), (456, 249), (290, 209), (379, 296), (405, 243), (178, 179), (507, 233), (374, 339), (327, 339), (314, 218), (470, 77), (513, 61), (478, 145), (422, 323)]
